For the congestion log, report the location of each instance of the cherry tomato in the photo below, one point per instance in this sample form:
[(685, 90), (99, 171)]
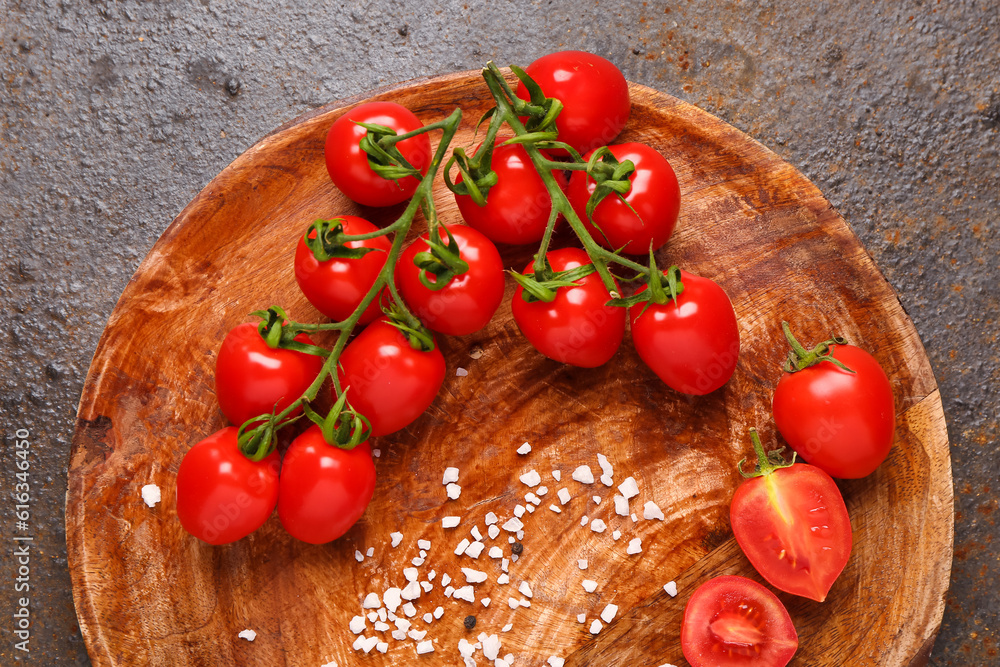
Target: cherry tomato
[(839, 421), (323, 489), (348, 164), (594, 94), (517, 208), (252, 379), (387, 380), (692, 343), (735, 622), (466, 304), (655, 198), (335, 287), (793, 526), (576, 327), (222, 495)]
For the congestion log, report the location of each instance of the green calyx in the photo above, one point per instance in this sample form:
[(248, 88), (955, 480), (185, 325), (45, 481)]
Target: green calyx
[(278, 331), (800, 358), (440, 263), (257, 437), (543, 285), (610, 177), (384, 157), (766, 462), (662, 287), (327, 240), (341, 427), (541, 111), (419, 336)]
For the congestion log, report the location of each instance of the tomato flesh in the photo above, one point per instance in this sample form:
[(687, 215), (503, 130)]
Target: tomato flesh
[(735, 622)]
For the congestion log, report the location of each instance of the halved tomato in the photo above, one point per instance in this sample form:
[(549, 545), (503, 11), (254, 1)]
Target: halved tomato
[(734, 622)]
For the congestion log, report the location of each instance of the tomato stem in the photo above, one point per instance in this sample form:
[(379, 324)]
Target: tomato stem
[(800, 358), (766, 462)]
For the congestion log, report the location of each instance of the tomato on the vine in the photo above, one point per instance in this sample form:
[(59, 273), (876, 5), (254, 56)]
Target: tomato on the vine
[(577, 327), (323, 489), (792, 524), (252, 379), (222, 495), (467, 302), (594, 94), (517, 208), (348, 164), (654, 198), (336, 286), (387, 380), (733, 621), (692, 342), (838, 420)]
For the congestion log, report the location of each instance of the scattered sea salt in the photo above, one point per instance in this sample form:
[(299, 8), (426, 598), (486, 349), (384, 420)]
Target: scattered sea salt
[(531, 478), (439, 612), (513, 525), (411, 591), (531, 509), (473, 576), (409, 609), (428, 618), (634, 546), (396, 539), (491, 519), (606, 468), (621, 505), (581, 618), (392, 599), (582, 563), (418, 561), (450, 475), (377, 453), (524, 449), (427, 586), (425, 647), (617, 535), (597, 500), (503, 579), (357, 625), (411, 573), (589, 585), (423, 544), (248, 635), (461, 372), (496, 552), (563, 495), (595, 627), (607, 481), (382, 647), (532, 498), (475, 549), (371, 601), (629, 488), (652, 511), (598, 526), (507, 627), (493, 531), (635, 519), (609, 613), (370, 552), (358, 556), (525, 589), (555, 509), (445, 579), (465, 593), (491, 647), (553, 661), (151, 495), (670, 588), (583, 475), (450, 522), (462, 546), (519, 511), (454, 491), (476, 534), (557, 475), (584, 519)]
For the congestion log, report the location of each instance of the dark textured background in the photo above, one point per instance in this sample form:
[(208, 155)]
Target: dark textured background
[(115, 114)]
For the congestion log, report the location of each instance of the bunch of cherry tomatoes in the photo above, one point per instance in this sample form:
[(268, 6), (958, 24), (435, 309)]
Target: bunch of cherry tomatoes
[(833, 404)]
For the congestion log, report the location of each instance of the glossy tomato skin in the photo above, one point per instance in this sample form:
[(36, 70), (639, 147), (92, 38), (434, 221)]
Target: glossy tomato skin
[(655, 197), (323, 489), (467, 303), (692, 343), (223, 496), (390, 382), (348, 164), (794, 528), (335, 287), (841, 422), (252, 379), (576, 327), (735, 622), (594, 94), (517, 208)]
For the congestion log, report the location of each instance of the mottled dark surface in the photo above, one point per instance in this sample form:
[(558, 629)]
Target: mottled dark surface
[(115, 114)]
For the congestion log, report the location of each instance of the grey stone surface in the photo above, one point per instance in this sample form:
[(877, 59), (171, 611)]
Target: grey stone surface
[(113, 115)]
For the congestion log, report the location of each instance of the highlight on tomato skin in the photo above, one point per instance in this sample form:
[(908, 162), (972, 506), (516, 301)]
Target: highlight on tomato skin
[(732, 621)]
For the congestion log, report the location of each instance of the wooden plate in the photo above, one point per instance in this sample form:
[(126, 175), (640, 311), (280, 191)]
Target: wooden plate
[(148, 593)]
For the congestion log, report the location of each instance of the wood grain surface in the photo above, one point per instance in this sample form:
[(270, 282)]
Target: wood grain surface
[(148, 593)]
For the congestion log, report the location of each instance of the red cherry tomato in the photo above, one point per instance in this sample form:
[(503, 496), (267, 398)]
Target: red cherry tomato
[(387, 380), (323, 489), (841, 422), (793, 526), (466, 304), (594, 94), (735, 622), (576, 327), (252, 379), (517, 208), (348, 164), (655, 198), (335, 287), (692, 343), (222, 495)]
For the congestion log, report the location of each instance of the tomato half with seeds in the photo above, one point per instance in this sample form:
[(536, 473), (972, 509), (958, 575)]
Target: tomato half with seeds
[(793, 526), (336, 286), (735, 622), (348, 164), (222, 495), (654, 197), (323, 489), (388, 380)]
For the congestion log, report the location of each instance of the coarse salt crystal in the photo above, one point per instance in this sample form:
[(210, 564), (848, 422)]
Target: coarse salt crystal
[(634, 546), (372, 616), (392, 598), (507, 627), (248, 635), (357, 625), (583, 475), (491, 519), (409, 609), (513, 558), (555, 509), (359, 642), (582, 563), (396, 539), (532, 498), (382, 615), (542, 490), (609, 613), (519, 511), (371, 601), (454, 491), (377, 453), (496, 552), (513, 603), (448, 522), (513, 525), (493, 531), (423, 544), (581, 618), (427, 586), (358, 556), (398, 635), (448, 592), (589, 585), (382, 647), (411, 591), (530, 508), (428, 618), (475, 533), (557, 475), (462, 546), (563, 495), (555, 662), (525, 589), (531, 478), (597, 500), (617, 535), (475, 549), (595, 627), (402, 624), (524, 449), (411, 573), (652, 511), (503, 564), (450, 475), (629, 488), (503, 579), (381, 627), (416, 635), (486, 602), (606, 480), (598, 526), (621, 505), (425, 647), (461, 372), (439, 612), (670, 588), (418, 561), (491, 647), (606, 468), (370, 552), (465, 648), (151, 495), (635, 519), (584, 519), (466, 593), (473, 576), (445, 579)]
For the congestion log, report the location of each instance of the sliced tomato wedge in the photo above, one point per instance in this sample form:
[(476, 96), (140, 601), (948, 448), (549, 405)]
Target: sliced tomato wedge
[(734, 622)]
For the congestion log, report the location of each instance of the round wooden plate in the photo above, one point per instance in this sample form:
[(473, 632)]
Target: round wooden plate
[(148, 593)]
